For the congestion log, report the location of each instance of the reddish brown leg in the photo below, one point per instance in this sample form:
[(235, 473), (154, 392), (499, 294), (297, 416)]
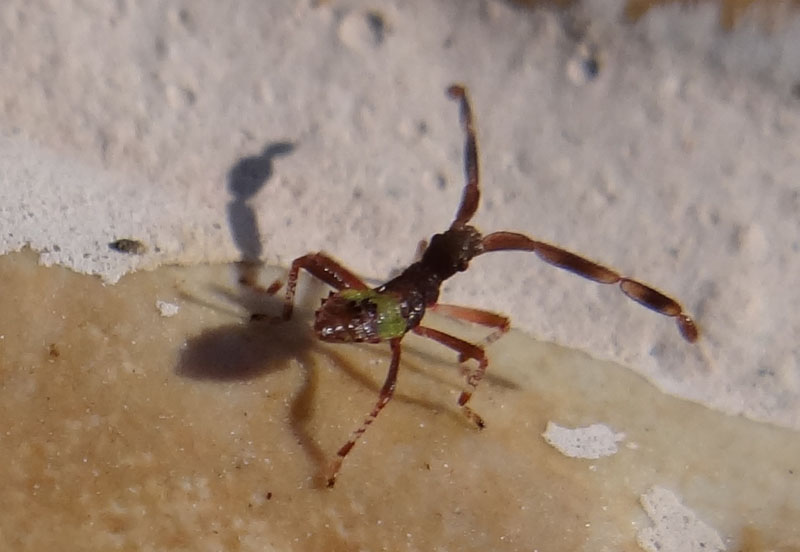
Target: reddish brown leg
[(383, 399), (476, 316), (639, 292), (471, 194), (322, 267), (465, 351), (248, 277)]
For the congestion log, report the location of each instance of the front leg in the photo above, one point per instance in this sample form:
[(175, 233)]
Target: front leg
[(323, 268)]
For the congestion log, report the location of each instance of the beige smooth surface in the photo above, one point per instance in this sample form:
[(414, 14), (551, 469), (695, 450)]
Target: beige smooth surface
[(124, 429)]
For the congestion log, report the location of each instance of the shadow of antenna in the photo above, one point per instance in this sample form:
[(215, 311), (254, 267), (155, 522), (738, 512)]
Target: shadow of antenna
[(245, 179)]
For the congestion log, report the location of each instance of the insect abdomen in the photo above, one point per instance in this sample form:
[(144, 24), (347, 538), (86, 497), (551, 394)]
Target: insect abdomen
[(388, 314)]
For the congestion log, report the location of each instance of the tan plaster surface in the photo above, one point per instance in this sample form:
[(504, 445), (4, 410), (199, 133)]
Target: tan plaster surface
[(122, 429)]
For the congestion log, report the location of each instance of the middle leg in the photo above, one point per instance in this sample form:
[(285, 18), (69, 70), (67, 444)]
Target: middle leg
[(500, 323), (465, 352)]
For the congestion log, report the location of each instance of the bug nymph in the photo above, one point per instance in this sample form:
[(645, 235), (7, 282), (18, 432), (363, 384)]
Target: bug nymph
[(357, 313)]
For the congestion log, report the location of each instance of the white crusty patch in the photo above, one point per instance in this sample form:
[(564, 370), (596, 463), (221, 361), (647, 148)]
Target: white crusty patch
[(594, 441), (675, 527), (167, 309)]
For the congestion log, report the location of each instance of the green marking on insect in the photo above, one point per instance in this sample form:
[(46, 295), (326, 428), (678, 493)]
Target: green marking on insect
[(390, 319)]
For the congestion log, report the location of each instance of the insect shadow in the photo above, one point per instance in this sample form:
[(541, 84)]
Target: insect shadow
[(255, 349), (242, 352), (245, 179)]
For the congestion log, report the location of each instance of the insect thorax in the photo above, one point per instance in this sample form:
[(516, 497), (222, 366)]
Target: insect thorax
[(451, 251)]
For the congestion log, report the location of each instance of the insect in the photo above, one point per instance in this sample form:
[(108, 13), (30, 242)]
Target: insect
[(356, 313)]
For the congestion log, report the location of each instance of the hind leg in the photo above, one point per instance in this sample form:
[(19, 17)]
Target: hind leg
[(386, 393), (323, 268)]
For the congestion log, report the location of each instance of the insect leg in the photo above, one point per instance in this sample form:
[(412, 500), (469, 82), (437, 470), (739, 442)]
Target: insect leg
[(471, 195), (383, 398), (322, 267), (639, 292), (465, 351), (248, 277), (477, 316)]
